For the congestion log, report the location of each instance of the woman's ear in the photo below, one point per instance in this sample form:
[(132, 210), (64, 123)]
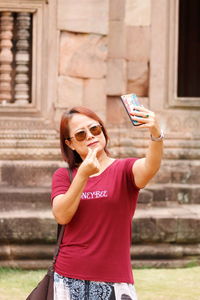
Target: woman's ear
[(69, 144)]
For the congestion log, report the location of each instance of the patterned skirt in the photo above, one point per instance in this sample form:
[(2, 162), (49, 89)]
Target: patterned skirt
[(74, 289)]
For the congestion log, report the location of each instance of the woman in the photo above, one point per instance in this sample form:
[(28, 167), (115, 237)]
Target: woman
[(98, 206)]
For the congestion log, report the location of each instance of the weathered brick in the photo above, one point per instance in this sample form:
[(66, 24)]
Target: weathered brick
[(70, 91), (95, 96), (83, 55), (138, 43), (117, 77), (138, 13), (83, 16), (117, 10), (117, 40)]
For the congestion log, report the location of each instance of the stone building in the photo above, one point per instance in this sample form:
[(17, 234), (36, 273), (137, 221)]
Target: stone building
[(55, 54)]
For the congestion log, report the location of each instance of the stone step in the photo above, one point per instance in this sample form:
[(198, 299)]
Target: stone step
[(39, 264), (27, 226), (39, 173), (142, 256), (178, 224), (16, 198), (178, 171), (24, 251), (165, 263), (165, 194), (37, 198), (29, 264), (28, 173), (138, 252), (164, 251)]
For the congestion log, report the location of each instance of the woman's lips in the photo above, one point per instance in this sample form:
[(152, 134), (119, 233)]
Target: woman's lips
[(91, 144)]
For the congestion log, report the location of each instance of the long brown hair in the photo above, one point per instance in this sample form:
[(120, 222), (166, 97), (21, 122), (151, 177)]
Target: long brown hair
[(71, 156)]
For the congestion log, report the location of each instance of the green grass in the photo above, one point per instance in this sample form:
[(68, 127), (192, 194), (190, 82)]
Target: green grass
[(151, 284), (168, 284), (17, 284)]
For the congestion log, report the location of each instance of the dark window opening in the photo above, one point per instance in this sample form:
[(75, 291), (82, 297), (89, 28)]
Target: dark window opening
[(189, 49)]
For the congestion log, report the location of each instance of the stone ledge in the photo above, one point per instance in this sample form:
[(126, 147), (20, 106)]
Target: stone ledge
[(33, 251), (165, 263), (179, 211), (165, 251), (156, 263), (138, 251), (26, 264)]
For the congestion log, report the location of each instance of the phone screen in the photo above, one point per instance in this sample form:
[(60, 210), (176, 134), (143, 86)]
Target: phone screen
[(129, 101)]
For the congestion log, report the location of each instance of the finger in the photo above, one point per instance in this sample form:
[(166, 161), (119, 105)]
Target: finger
[(89, 152), (142, 125), (141, 108), (143, 114), (94, 153), (141, 120)]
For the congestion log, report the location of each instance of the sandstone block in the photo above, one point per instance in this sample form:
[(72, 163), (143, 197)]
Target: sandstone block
[(145, 197), (70, 91), (29, 229), (178, 171), (138, 78), (137, 69), (28, 198), (117, 77), (138, 43), (138, 13), (167, 229), (17, 173), (188, 230), (116, 114), (83, 15), (83, 55), (24, 251), (144, 230), (95, 96), (117, 40), (117, 10)]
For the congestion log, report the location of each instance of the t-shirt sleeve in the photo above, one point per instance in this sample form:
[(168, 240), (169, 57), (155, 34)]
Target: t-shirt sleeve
[(129, 162), (60, 182)]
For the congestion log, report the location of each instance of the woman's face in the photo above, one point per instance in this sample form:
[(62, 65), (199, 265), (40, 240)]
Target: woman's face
[(78, 123)]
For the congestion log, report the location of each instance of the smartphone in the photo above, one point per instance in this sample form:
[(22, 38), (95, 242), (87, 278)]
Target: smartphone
[(129, 101)]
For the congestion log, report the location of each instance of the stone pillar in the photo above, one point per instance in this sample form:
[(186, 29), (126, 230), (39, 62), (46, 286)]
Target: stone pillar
[(22, 80), (6, 56)]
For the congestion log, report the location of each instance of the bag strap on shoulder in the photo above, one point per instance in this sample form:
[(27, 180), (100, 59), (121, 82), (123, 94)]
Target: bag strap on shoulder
[(61, 228)]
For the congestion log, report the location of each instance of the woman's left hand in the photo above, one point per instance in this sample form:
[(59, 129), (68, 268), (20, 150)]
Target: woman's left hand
[(147, 119)]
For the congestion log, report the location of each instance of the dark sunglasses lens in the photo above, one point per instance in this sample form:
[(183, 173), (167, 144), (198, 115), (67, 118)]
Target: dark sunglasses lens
[(95, 130), (80, 136)]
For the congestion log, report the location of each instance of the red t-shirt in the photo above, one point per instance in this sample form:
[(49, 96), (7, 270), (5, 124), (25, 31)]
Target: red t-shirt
[(96, 242)]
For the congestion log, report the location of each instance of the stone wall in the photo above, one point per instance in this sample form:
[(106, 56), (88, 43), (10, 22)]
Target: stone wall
[(104, 51)]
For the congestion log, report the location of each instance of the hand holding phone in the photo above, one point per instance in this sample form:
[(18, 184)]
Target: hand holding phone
[(130, 101)]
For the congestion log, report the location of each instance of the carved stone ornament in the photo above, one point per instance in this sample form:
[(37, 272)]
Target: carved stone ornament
[(22, 80)]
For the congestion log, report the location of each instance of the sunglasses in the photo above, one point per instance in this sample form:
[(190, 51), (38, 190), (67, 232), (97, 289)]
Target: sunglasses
[(82, 134)]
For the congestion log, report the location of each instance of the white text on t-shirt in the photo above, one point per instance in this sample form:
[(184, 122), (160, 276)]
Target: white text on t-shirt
[(94, 195)]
